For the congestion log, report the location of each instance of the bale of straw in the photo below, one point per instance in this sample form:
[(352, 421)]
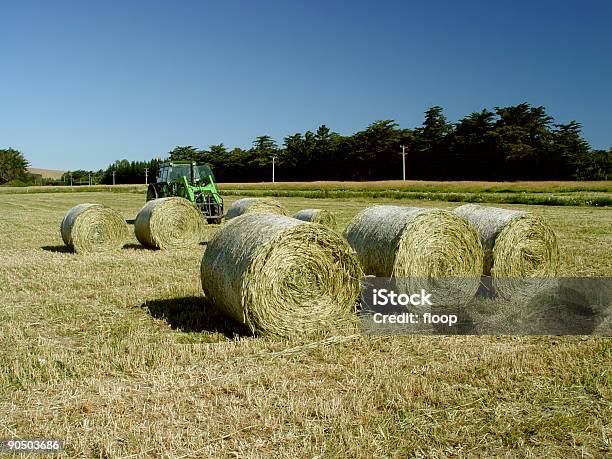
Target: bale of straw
[(248, 205), (93, 228), (517, 245), (429, 248), (280, 276), (321, 216), (169, 223)]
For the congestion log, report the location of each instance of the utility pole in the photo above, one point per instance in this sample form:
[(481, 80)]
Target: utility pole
[(90, 179), (403, 153), (71, 179), (273, 164), (113, 178), (146, 175)]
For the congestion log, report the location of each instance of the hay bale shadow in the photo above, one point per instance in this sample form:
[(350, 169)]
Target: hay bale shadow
[(192, 314), (130, 221), (56, 248), (136, 247)]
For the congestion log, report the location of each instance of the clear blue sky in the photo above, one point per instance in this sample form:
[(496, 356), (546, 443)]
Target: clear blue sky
[(85, 83)]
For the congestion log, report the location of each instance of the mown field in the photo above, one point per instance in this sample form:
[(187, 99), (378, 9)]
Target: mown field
[(116, 356), (596, 194), (433, 186)]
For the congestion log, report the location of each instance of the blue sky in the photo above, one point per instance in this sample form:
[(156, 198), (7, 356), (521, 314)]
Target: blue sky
[(85, 83)]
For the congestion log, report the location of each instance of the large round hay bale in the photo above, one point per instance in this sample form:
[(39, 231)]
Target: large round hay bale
[(321, 216), (169, 223), (279, 275), (517, 245), (249, 205), (421, 245), (93, 228)]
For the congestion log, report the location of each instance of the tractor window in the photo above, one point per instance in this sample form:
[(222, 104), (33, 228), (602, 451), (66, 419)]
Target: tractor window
[(202, 172), (163, 174), (180, 170)]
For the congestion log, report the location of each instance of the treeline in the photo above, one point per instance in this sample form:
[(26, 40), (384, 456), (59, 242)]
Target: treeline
[(519, 142), (125, 172)]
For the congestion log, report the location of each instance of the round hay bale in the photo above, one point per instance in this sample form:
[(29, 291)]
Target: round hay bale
[(248, 205), (517, 245), (279, 275), (93, 228), (321, 216), (430, 248), (169, 223)]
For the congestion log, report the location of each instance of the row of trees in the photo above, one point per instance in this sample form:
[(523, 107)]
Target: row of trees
[(131, 171), (82, 177), (508, 143), (124, 171), (14, 171)]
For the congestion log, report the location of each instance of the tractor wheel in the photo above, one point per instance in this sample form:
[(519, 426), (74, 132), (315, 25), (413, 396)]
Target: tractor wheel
[(151, 193)]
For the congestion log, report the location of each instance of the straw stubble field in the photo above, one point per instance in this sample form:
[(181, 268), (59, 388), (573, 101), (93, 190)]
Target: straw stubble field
[(112, 354)]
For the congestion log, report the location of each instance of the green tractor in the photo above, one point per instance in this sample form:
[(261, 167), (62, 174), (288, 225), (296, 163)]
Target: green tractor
[(191, 181)]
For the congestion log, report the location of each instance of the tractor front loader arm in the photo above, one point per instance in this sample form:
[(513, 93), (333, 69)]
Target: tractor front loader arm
[(185, 189)]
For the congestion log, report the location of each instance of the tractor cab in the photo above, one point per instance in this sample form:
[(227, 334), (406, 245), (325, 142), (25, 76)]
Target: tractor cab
[(191, 181)]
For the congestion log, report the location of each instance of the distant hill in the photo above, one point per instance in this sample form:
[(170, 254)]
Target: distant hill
[(46, 173)]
